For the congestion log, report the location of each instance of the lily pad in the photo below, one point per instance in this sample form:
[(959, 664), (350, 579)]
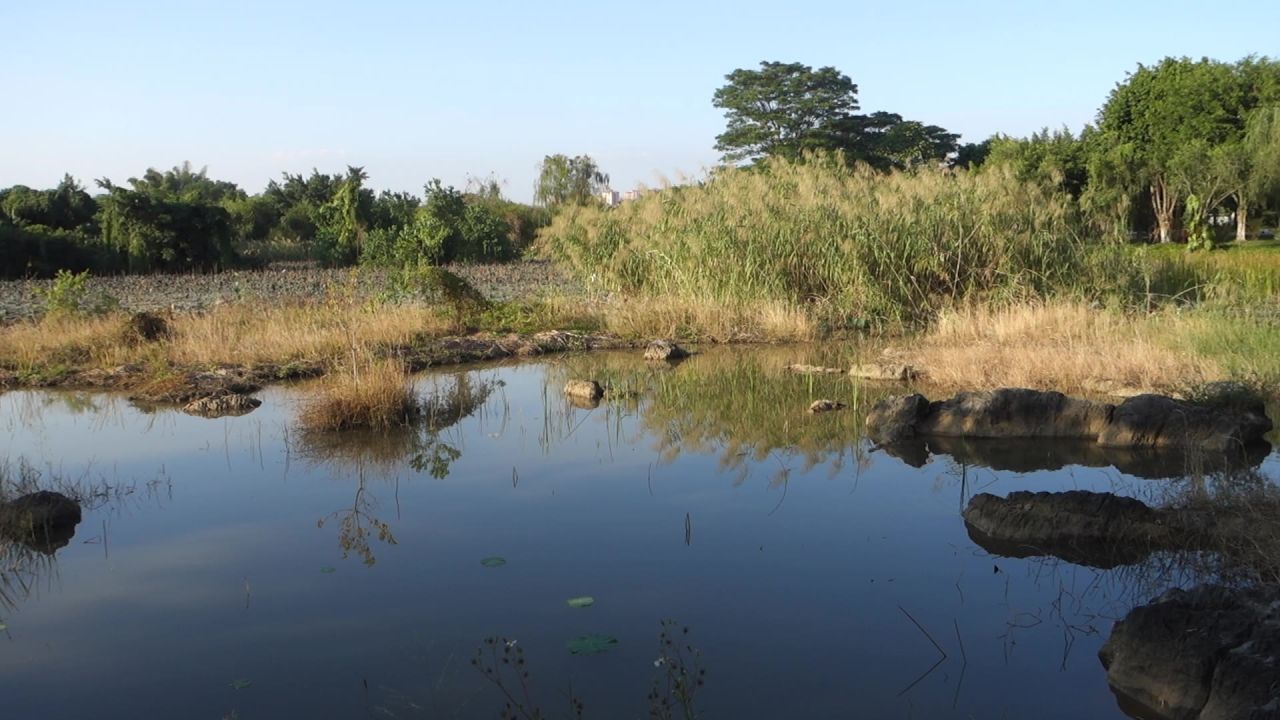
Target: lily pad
[(326, 569), (592, 644), (493, 562), (3, 627), (240, 683), (581, 602)]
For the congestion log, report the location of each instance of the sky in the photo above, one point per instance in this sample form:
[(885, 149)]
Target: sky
[(418, 90)]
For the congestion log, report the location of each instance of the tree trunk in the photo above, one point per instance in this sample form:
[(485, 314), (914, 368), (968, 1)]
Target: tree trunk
[(1164, 204), (1242, 220)]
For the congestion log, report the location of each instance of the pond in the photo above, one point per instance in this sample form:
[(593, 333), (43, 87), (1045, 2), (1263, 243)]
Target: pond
[(241, 568)]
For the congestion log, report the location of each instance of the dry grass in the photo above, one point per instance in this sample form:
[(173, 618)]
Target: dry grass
[(247, 333), (1061, 346), (374, 395), (709, 320)]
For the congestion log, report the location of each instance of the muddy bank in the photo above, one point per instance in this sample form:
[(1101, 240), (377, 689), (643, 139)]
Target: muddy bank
[(185, 386)]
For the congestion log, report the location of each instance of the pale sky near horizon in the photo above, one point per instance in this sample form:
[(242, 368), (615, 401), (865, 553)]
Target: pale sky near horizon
[(416, 90)]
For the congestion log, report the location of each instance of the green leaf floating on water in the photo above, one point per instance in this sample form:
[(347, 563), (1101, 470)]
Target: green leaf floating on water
[(493, 562), (580, 602), (326, 569), (240, 683), (592, 644), (3, 627)]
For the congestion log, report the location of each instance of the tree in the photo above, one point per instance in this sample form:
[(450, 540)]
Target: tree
[(1171, 119), (1054, 157), (784, 109), (157, 232), (565, 180)]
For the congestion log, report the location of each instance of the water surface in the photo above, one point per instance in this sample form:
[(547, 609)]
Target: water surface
[(237, 567)]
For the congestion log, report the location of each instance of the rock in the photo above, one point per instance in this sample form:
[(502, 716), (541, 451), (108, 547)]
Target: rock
[(584, 389), (1159, 421), (665, 351), (1023, 455), (1099, 530), (1209, 653), (1141, 422), (885, 371), (144, 327), (583, 402), (894, 418), (814, 370), (1015, 412), (821, 406), (44, 520), (216, 406)]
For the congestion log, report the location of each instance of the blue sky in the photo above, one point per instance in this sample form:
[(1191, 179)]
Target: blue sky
[(415, 90)]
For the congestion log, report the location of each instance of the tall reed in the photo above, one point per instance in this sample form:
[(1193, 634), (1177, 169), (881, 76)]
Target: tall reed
[(894, 247)]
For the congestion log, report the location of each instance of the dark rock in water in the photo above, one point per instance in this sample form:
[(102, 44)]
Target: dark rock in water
[(584, 389), (894, 419), (1159, 421), (821, 406), (1141, 422), (583, 402), (44, 520), (1023, 455), (230, 404), (664, 350), (1015, 413), (1209, 653), (1100, 530)]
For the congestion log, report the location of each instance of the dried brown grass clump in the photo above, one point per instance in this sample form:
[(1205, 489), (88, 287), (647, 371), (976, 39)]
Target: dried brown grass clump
[(376, 395), (1063, 346), (709, 319)]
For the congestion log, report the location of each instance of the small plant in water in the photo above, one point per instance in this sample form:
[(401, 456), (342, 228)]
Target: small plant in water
[(501, 661), (679, 677), (680, 674), (68, 294)]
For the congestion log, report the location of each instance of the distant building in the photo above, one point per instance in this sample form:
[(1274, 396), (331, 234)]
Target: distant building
[(613, 198)]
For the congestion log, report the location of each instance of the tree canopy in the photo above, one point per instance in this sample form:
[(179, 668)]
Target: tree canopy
[(789, 109), (568, 180)]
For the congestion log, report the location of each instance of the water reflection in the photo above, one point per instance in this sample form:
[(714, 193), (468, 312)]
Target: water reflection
[(805, 593)]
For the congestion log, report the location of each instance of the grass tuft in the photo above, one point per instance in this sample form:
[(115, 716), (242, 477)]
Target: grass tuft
[(374, 395)]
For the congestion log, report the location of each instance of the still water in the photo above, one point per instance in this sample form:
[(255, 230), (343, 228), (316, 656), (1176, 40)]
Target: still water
[(240, 568)]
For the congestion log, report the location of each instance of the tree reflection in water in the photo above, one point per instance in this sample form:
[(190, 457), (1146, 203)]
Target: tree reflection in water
[(370, 454)]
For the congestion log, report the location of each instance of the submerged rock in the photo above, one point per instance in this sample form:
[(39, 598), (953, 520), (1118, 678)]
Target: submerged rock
[(231, 404), (1209, 653), (814, 369), (899, 372), (43, 521), (1144, 421), (821, 406), (664, 351), (1100, 530), (584, 389)]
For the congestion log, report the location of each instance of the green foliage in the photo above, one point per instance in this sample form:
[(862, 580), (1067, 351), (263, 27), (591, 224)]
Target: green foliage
[(891, 247), (68, 294), (787, 110), (156, 232), (564, 180), (342, 221), (1198, 237), (448, 227), (1056, 157)]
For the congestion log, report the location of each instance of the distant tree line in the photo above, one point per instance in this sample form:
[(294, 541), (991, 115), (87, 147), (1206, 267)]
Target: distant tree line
[(1176, 148), (183, 220)]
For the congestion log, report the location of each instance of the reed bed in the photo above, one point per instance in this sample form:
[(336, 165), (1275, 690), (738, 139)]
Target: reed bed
[(895, 247)]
